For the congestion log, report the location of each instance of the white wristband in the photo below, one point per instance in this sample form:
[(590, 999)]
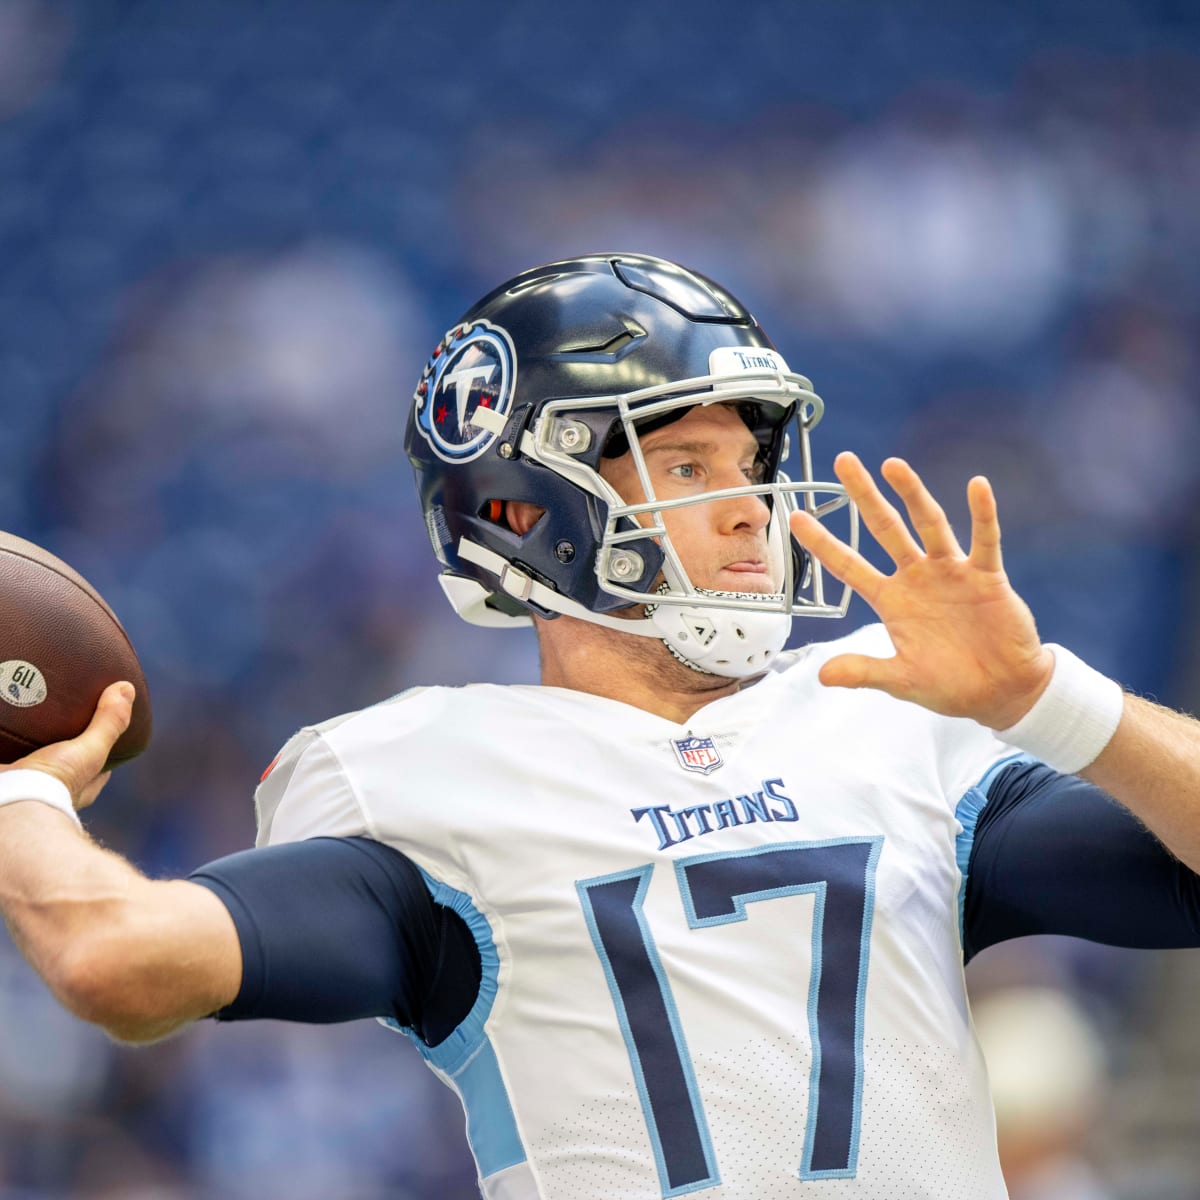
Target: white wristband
[(28, 784), (1073, 719)]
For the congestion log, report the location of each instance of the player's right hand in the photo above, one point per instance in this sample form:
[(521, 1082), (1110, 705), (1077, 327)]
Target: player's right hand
[(966, 643), (79, 763)]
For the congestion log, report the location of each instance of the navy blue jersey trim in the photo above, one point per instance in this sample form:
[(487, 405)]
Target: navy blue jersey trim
[(1055, 854), (460, 1043), (335, 929), (968, 812)]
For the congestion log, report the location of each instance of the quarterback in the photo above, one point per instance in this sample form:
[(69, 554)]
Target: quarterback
[(691, 916)]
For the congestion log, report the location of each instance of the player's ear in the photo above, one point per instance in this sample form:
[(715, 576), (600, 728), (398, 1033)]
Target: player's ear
[(521, 515)]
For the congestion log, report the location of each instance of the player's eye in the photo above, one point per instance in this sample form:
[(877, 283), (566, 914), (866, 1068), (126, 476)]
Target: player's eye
[(684, 470)]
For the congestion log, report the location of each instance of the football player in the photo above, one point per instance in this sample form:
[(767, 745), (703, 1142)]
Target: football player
[(691, 916)]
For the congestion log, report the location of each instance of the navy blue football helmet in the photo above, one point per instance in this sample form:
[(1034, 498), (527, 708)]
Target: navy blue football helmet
[(563, 366)]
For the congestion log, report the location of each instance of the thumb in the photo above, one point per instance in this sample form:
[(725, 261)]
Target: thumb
[(860, 671), (79, 761)]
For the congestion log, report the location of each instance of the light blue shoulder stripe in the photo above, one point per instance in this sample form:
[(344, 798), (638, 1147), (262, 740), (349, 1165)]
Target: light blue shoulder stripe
[(467, 1056), (968, 811), (491, 1126)]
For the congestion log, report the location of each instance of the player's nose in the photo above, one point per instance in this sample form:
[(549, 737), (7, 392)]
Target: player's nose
[(743, 512)]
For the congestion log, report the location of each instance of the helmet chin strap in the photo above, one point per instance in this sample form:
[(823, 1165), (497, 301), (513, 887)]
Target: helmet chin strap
[(720, 641), (723, 641)]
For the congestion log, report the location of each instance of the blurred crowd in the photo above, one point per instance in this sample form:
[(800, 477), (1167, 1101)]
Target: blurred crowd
[(229, 236)]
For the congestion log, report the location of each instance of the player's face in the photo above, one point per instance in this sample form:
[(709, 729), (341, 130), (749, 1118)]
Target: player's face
[(723, 544)]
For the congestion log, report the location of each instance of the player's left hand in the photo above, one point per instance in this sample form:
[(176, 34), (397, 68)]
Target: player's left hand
[(966, 643)]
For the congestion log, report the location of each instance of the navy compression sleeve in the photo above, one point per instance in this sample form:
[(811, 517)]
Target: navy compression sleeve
[(1055, 854), (334, 929)]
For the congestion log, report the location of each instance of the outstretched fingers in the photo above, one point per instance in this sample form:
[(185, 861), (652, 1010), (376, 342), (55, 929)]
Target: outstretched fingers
[(835, 556), (879, 515), (985, 526), (890, 529), (927, 515)]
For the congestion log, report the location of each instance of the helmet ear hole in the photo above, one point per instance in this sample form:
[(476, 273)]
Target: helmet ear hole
[(516, 516)]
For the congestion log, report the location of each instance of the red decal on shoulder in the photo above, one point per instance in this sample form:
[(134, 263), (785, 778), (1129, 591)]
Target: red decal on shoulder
[(270, 768)]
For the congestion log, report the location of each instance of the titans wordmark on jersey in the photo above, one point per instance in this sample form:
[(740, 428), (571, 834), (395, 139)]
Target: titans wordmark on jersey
[(743, 980)]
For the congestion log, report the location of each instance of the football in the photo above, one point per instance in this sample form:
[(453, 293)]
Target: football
[(60, 646)]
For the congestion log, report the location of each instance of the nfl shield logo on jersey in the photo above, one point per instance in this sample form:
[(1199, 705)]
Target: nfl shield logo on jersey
[(697, 754)]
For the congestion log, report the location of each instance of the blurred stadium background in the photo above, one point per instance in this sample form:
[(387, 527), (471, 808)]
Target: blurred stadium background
[(230, 234)]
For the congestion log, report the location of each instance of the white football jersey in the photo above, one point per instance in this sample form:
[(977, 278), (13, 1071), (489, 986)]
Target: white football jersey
[(720, 958)]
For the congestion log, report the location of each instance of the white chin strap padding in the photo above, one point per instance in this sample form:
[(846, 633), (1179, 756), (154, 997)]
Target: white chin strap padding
[(722, 641)]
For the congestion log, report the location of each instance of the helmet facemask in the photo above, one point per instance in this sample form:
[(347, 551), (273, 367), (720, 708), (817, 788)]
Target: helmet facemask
[(731, 633), (515, 410)]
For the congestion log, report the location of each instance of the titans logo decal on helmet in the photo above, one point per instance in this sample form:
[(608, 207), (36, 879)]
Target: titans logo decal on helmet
[(473, 366)]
